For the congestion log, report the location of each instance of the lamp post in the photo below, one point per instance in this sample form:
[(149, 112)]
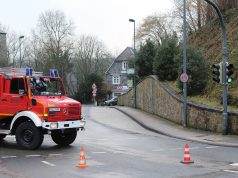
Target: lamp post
[(132, 20), (20, 48)]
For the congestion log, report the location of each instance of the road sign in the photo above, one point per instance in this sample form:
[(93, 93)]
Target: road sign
[(130, 83), (119, 87), (130, 71), (184, 77), (94, 86)]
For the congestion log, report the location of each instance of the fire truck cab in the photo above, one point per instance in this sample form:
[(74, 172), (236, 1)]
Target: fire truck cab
[(32, 105)]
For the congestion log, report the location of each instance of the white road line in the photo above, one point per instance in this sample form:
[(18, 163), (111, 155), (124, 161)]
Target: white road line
[(234, 164), (176, 149), (27, 156), (101, 139), (55, 154), (230, 171), (209, 147), (5, 157), (99, 152), (47, 163), (158, 150)]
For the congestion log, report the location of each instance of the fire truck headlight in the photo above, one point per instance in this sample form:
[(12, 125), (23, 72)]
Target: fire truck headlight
[(82, 123), (54, 109), (54, 125)]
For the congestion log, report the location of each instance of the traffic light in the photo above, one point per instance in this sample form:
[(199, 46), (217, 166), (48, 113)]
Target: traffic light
[(229, 72), (217, 72)]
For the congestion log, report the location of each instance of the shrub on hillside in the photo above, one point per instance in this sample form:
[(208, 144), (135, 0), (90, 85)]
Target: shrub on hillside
[(144, 59), (165, 63), (197, 70)]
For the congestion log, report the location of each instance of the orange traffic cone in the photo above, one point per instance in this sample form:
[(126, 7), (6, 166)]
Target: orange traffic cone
[(82, 162), (187, 159)]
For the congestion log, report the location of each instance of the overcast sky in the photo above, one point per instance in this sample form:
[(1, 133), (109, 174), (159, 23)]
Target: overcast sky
[(106, 19)]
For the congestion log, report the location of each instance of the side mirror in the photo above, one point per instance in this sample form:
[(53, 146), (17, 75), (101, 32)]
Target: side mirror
[(33, 102)]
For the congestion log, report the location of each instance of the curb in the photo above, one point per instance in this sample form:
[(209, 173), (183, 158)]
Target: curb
[(173, 136)]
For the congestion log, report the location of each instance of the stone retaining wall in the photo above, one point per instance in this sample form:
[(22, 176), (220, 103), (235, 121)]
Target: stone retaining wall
[(158, 98)]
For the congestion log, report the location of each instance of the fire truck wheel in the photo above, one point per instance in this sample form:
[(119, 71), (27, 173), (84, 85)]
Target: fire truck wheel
[(64, 139), (28, 136), (2, 136)]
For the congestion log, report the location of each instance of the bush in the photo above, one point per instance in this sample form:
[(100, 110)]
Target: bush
[(165, 63), (84, 93), (197, 70), (144, 59)]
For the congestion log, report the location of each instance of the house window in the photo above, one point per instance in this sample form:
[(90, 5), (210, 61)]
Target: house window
[(116, 80), (124, 65)]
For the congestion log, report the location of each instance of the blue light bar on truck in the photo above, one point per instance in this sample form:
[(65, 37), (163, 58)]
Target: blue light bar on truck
[(29, 71), (54, 73)]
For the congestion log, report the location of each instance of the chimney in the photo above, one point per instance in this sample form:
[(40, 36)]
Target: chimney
[(3, 50)]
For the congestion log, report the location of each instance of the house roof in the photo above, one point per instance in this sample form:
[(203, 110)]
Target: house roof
[(124, 56)]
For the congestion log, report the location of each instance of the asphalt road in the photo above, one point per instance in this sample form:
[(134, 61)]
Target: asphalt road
[(117, 147)]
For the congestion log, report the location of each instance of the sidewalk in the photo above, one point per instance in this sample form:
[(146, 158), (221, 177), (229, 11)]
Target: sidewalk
[(165, 127)]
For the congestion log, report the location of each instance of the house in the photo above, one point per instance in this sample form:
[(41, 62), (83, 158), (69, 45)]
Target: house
[(116, 74)]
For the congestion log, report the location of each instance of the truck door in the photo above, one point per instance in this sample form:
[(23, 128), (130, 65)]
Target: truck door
[(15, 98)]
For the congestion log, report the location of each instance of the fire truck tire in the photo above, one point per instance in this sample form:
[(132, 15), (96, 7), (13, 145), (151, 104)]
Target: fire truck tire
[(64, 139), (2, 136), (28, 136)]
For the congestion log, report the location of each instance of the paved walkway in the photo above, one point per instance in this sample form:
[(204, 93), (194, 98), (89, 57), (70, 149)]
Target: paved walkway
[(165, 127)]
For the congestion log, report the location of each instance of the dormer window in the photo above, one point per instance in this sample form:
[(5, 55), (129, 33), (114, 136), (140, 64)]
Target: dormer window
[(124, 65)]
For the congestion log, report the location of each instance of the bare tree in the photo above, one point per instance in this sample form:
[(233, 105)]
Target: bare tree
[(12, 49), (223, 5), (52, 42), (155, 27), (91, 57), (196, 13)]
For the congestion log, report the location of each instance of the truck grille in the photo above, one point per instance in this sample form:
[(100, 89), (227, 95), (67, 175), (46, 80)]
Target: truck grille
[(74, 110)]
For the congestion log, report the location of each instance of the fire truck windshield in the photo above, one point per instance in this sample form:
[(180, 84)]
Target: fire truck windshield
[(46, 86)]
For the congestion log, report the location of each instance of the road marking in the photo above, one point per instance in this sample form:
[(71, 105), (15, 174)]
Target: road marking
[(227, 170), (176, 149), (209, 147), (55, 154), (234, 164), (27, 156), (158, 150), (193, 148), (132, 138), (47, 163), (101, 139), (5, 157), (99, 152)]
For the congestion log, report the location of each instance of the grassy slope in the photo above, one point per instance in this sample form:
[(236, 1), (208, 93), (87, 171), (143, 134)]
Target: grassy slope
[(209, 41)]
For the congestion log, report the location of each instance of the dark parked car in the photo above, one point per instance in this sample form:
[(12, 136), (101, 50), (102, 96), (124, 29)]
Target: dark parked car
[(111, 102)]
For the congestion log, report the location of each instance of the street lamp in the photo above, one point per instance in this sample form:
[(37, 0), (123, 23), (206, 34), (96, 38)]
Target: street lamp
[(20, 48), (132, 20)]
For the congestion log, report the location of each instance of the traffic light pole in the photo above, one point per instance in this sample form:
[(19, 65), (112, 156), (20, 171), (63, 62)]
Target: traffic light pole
[(224, 60)]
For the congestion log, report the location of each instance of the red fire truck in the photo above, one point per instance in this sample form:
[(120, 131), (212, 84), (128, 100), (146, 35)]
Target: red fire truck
[(32, 105)]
